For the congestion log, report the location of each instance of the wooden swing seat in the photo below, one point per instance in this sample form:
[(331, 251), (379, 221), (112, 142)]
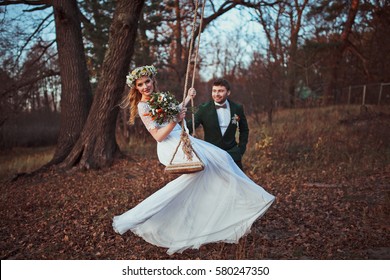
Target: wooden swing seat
[(184, 168)]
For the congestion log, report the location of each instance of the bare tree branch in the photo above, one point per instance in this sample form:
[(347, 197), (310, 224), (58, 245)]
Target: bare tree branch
[(225, 7), (19, 85), (86, 22), (256, 5), (26, 2), (38, 8), (32, 35), (44, 49)]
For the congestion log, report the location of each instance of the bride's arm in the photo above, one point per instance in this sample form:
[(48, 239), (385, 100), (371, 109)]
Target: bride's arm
[(159, 134)]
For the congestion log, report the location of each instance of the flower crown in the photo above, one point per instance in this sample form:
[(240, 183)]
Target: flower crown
[(139, 72)]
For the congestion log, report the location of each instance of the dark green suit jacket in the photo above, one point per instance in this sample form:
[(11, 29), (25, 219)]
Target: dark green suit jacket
[(208, 118)]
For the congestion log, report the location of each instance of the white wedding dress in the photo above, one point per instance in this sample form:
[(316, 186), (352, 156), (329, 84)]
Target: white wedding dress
[(218, 204)]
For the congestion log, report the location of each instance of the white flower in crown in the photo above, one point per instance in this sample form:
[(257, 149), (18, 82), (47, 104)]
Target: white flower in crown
[(235, 119), (147, 70)]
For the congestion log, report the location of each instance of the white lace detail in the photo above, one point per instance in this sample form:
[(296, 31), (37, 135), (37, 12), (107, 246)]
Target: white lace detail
[(143, 111)]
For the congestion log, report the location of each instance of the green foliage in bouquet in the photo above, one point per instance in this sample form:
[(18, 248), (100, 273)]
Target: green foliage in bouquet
[(163, 107)]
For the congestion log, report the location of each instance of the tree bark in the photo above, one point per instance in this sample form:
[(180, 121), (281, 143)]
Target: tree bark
[(295, 27), (339, 52), (97, 145), (76, 97)]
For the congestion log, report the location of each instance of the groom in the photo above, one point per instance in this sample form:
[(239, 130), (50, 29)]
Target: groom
[(221, 120)]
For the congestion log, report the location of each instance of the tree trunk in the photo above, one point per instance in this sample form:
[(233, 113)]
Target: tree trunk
[(53, 101), (76, 94), (295, 15), (97, 145), (339, 52)]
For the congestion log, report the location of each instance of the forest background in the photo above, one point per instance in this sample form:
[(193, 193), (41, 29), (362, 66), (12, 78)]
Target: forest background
[(313, 77)]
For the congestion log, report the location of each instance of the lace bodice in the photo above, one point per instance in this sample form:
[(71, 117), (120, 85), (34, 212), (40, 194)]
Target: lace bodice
[(143, 111)]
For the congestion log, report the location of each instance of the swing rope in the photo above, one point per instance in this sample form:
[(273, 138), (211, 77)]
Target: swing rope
[(187, 148), (195, 64)]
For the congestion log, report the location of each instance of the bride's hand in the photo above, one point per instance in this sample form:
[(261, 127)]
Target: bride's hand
[(192, 92), (190, 95), (182, 114)]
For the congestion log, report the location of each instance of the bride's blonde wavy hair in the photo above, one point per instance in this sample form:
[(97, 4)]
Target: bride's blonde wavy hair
[(132, 99)]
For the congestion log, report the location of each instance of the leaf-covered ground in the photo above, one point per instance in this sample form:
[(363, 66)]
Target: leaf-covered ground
[(54, 215)]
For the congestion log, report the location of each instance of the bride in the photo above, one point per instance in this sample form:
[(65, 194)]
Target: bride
[(218, 204)]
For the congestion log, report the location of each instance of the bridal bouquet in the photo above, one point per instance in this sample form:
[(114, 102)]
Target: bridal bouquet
[(163, 107)]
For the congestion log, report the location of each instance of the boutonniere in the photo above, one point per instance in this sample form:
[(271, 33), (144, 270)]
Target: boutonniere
[(235, 119)]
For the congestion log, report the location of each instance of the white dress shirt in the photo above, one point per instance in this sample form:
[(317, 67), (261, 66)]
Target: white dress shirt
[(223, 117)]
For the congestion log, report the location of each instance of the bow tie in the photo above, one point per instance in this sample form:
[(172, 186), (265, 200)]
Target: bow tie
[(217, 106)]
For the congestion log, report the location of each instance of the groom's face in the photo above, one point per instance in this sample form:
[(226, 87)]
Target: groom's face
[(219, 94)]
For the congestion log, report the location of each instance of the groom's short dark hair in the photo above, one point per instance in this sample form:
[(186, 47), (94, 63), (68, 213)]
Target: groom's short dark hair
[(222, 82)]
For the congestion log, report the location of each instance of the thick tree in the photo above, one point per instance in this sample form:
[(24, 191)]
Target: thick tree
[(96, 147), (76, 95)]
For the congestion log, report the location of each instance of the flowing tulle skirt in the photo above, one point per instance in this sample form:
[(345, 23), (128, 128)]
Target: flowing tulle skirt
[(218, 204)]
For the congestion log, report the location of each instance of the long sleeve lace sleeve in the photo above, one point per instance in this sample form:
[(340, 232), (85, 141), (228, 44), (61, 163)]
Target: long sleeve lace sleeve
[(143, 111)]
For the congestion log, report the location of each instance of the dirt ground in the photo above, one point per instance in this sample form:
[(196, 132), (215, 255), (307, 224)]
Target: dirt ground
[(68, 215)]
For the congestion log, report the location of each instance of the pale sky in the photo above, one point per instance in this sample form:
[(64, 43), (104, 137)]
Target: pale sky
[(233, 32)]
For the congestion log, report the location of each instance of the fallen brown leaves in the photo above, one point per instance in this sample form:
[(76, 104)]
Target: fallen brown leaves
[(55, 215)]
